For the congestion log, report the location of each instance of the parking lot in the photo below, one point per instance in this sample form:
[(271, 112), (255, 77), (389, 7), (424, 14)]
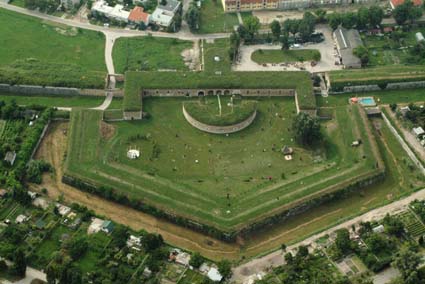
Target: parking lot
[(326, 49)]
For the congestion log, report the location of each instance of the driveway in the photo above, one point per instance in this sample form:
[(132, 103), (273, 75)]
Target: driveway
[(326, 49)]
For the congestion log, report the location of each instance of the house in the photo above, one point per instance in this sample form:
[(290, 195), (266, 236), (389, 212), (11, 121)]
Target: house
[(69, 4), (147, 272), (418, 132), (395, 3), (214, 275), (183, 258), (164, 14), (21, 219), (388, 30), (419, 37), (115, 13), (62, 209), (32, 194), (373, 111), (107, 226), (346, 42), (134, 242), (404, 110), (378, 229), (10, 157), (138, 16), (95, 226)]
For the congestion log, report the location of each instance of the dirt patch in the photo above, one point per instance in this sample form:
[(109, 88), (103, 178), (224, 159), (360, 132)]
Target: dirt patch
[(191, 56), (106, 130)]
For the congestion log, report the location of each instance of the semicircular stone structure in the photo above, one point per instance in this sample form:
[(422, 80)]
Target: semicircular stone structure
[(214, 129)]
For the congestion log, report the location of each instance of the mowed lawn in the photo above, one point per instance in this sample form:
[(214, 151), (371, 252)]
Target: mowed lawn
[(219, 48), (287, 56), (214, 20), (149, 53), (189, 172)]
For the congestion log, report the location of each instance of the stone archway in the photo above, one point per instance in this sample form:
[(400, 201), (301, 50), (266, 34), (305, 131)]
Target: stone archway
[(201, 93), (218, 92), (210, 93)]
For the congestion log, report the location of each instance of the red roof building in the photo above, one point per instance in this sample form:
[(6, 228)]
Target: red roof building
[(395, 3), (137, 15)]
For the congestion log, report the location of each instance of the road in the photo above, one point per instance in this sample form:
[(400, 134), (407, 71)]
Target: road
[(185, 34)]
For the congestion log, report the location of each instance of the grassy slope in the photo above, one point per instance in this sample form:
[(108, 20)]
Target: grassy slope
[(198, 190), (279, 56), (149, 53), (57, 101), (37, 52), (214, 20)]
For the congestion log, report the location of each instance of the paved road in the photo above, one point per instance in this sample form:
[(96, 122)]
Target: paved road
[(185, 34)]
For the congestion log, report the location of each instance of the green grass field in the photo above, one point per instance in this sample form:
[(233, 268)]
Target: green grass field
[(30, 47), (149, 53), (219, 48), (248, 165), (214, 20), (280, 56)]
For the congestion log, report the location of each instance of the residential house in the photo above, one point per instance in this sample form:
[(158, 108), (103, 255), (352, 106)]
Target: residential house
[(138, 16), (107, 226), (10, 157), (62, 209), (404, 110), (346, 41), (395, 3), (21, 219), (164, 15), (134, 242), (378, 229), (418, 132), (115, 13)]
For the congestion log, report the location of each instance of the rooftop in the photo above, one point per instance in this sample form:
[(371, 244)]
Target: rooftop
[(395, 3), (170, 6), (347, 41), (138, 15)]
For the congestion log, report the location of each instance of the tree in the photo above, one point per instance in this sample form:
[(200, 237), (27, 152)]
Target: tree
[(349, 20), (307, 129), (407, 262), (362, 18), (77, 247), (19, 263), (50, 275), (119, 236), (283, 247), (343, 242), (320, 16), (252, 25), (334, 20), (393, 225), (401, 12), (225, 268), (196, 260), (193, 16), (276, 29), (362, 53), (376, 14), (285, 41), (302, 252), (151, 241)]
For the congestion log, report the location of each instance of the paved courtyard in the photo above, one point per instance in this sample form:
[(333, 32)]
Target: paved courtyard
[(326, 49)]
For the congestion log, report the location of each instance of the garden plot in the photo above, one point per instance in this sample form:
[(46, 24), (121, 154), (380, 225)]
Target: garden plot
[(412, 224)]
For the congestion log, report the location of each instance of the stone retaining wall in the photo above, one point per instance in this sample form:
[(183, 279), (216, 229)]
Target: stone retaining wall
[(219, 129), (375, 87)]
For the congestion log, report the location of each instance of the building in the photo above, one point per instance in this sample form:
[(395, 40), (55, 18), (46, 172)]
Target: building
[(10, 157), (69, 4), (418, 132), (346, 41), (419, 37), (395, 3), (138, 16), (404, 110), (164, 14), (107, 226), (115, 13), (253, 5)]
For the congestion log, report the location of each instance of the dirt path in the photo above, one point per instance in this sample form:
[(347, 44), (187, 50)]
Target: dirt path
[(53, 150)]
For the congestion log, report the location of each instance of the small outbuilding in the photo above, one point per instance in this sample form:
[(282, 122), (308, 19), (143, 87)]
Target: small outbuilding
[(107, 226), (10, 157), (418, 132)]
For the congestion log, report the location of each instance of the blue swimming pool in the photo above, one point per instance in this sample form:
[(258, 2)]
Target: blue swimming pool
[(367, 101)]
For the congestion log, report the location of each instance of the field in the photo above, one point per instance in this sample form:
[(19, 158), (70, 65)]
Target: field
[(50, 51), (280, 56), (237, 179), (219, 48), (149, 53), (214, 20)]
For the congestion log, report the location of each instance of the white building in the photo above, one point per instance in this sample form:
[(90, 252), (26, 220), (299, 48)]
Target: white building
[(116, 13), (419, 132), (164, 14)]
